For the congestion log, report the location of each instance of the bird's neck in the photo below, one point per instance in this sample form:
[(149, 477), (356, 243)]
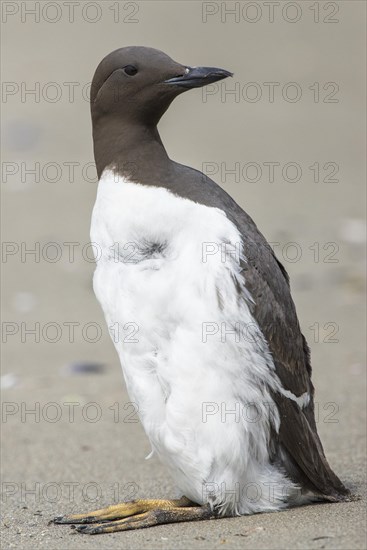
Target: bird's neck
[(134, 151)]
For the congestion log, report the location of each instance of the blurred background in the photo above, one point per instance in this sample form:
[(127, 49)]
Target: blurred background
[(285, 137)]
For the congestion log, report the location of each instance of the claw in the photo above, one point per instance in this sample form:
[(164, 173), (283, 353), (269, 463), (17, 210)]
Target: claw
[(91, 529), (83, 529), (72, 520), (57, 519)]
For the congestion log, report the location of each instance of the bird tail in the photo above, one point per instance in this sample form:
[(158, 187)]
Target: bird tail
[(306, 462)]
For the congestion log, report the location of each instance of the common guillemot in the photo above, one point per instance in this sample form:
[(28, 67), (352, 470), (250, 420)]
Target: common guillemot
[(180, 254)]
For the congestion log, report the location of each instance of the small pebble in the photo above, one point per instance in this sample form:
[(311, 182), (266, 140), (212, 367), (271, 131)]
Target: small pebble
[(353, 230), (24, 302), (8, 381), (85, 368)]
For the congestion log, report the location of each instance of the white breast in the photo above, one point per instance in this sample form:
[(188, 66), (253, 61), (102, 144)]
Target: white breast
[(167, 280)]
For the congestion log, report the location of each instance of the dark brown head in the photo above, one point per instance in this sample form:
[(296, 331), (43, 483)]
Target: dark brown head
[(137, 84)]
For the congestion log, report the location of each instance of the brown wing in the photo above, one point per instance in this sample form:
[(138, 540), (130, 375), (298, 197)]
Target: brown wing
[(276, 316)]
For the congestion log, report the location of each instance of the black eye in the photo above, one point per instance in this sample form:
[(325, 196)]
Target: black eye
[(130, 70)]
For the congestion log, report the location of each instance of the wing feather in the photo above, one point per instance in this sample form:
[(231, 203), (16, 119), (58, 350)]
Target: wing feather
[(275, 312)]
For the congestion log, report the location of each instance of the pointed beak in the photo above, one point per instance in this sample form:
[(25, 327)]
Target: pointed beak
[(196, 77)]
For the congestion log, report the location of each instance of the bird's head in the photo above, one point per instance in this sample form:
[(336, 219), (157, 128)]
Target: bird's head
[(138, 84)]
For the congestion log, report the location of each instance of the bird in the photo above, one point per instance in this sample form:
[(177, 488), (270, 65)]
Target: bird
[(218, 366)]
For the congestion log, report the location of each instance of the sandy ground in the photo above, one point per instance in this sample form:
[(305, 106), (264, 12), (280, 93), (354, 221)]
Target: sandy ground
[(82, 446)]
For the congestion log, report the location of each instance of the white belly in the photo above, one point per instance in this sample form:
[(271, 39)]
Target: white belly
[(167, 279)]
